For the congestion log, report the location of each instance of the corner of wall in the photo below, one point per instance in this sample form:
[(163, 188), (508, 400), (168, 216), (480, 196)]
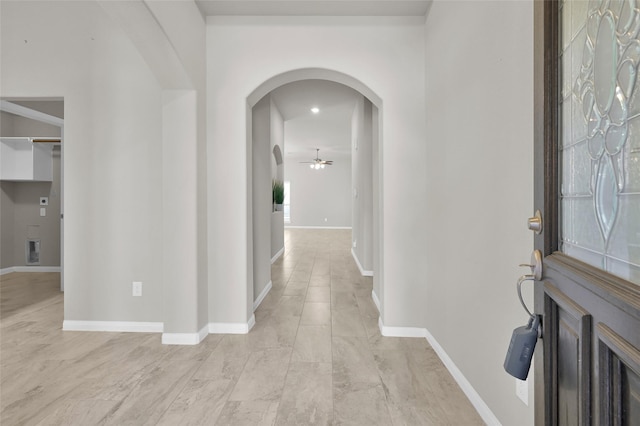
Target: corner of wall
[(474, 397)]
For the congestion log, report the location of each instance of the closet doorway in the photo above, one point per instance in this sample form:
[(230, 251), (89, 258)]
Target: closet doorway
[(31, 205)]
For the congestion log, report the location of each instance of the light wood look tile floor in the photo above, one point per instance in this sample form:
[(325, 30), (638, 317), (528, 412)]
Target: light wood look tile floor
[(315, 356)]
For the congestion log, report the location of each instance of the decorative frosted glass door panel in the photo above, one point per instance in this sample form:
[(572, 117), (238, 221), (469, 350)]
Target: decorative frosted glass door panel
[(587, 191), (600, 134)]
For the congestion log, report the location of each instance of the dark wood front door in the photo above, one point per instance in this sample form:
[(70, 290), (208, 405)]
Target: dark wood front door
[(587, 369)]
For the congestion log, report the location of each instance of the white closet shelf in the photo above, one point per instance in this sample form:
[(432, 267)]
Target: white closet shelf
[(27, 159), (39, 139)]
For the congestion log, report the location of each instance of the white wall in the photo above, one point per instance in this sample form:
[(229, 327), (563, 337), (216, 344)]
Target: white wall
[(180, 215), (113, 155), (277, 235), (385, 55), (479, 96), (262, 195), (7, 224), (277, 172), (277, 138), (184, 30), (362, 182), (376, 173), (118, 70), (320, 198), (267, 131)]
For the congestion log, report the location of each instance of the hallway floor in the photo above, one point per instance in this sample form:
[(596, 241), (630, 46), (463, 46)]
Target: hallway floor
[(315, 356)]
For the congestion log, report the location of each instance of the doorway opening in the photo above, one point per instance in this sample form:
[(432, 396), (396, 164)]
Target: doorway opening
[(267, 115), (32, 249)]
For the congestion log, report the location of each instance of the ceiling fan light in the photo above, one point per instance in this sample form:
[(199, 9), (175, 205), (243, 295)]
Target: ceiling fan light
[(311, 165), (317, 166), (322, 166)]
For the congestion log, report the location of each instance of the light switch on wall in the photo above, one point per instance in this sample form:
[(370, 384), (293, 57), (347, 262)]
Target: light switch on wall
[(43, 211)]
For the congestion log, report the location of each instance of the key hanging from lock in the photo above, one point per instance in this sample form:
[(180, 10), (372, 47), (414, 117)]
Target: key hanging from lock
[(523, 340)]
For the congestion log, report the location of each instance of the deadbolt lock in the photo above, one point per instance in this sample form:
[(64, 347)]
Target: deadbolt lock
[(535, 223)]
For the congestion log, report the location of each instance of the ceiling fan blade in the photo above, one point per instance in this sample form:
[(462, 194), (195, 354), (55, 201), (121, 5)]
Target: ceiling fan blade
[(318, 160)]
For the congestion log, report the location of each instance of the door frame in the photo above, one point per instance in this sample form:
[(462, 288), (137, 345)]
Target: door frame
[(352, 82), (22, 111), (545, 38)]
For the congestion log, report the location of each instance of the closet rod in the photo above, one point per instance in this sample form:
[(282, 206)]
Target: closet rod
[(47, 140)]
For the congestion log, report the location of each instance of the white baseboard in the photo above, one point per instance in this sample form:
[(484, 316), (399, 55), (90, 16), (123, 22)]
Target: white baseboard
[(316, 227), (158, 327), (277, 256), (362, 271), (262, 295), (232, 327), (138, 327), (400, 331), (5, 271), (376, 301), (11, 269), (185, 338), (115, 326), (481, 407)]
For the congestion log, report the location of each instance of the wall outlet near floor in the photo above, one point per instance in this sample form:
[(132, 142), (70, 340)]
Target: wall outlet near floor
[(355, 243), (137, 288), (522, 391)]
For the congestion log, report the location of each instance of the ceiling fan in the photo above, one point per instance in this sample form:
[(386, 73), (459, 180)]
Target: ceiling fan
[(318, 163)]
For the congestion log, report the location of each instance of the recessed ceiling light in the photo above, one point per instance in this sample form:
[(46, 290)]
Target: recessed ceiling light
[(315, 110)]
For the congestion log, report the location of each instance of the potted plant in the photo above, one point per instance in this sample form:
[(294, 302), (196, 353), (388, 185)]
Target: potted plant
[(278, 194)]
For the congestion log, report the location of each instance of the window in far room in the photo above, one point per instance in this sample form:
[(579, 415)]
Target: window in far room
[(287, 202)]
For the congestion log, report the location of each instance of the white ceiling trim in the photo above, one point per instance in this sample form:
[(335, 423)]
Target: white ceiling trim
[(314, 7)]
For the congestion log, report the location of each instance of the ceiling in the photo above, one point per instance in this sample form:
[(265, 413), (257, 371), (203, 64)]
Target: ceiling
[(329, 129), (314, 7)]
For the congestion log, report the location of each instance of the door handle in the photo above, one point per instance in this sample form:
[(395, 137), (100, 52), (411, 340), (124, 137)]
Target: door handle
[(523, 340), (535, 223), (535, 265), (535, 275)]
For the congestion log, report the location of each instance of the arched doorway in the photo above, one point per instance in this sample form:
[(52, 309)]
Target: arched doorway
[(255, 293)]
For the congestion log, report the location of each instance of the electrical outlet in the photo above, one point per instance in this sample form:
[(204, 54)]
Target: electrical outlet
[(137, 289), (522, 391), (355, 243)]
